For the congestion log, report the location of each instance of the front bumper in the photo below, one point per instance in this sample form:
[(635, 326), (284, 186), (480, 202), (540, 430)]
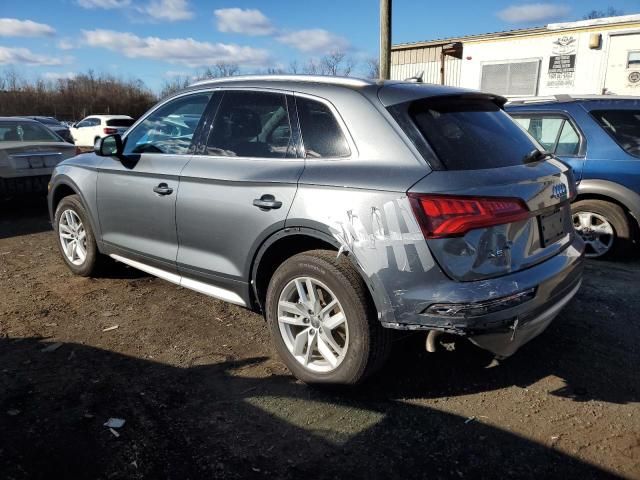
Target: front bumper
[(502, 331)]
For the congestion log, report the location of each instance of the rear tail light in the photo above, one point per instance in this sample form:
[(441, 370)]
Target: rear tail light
[(452, 216), (110, 131)]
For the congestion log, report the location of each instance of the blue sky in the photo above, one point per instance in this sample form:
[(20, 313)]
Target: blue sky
[(156, 39)]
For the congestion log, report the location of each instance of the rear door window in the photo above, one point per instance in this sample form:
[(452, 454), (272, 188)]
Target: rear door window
[(623, 126), (555, 134), (120, 122), (251, 124), (470, 134), (321, 133)]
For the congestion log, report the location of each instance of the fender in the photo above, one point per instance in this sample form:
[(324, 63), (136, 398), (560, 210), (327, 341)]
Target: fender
[(620, 193), (62, 179), (320, 232)]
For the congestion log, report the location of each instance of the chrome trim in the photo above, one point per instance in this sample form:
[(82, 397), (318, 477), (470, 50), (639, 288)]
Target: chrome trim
[(205, 288), (34, 154)]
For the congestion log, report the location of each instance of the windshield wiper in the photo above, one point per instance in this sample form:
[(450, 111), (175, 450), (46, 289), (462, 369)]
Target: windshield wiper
[(536, 155)]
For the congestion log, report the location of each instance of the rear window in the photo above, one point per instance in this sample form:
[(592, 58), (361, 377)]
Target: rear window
[(26, 132), (469, 134), (623, 126), (120, 122)]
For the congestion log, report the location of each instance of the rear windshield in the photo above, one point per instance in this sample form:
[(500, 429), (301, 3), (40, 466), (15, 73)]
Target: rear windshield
[(623, 126), (26, 132), (470, 134), (120, 122)]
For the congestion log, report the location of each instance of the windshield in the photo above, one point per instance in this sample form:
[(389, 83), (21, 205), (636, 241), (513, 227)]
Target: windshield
[(623, 126), (470, 134), (26, 132), (47, 121)]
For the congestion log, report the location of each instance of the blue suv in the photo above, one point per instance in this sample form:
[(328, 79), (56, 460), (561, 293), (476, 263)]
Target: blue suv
[(599, 137)]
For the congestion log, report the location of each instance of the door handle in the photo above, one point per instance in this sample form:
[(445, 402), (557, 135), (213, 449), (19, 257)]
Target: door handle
[(267, 202), (163, 189)]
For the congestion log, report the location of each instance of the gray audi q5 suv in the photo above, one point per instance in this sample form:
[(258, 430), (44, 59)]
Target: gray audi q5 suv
[(339, 208)]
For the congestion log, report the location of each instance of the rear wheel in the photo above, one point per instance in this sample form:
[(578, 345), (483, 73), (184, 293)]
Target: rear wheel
[(76, 240), (322, 322), (603, 226)]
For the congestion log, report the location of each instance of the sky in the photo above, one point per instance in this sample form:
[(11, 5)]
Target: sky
[(155, 40)]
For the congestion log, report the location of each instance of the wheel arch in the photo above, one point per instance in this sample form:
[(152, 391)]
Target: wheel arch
[(606, 191), (283, 245)]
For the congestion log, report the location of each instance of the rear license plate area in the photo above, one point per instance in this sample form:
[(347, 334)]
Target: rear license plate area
[(551, 227)]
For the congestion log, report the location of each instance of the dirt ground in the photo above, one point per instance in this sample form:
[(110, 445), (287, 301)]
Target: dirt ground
[(204, 396)]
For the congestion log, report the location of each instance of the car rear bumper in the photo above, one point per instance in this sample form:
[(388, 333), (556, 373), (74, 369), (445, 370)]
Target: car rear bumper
[(548, 287)]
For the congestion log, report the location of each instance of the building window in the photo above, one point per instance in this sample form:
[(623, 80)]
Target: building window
[(513, 78), (633, 59)]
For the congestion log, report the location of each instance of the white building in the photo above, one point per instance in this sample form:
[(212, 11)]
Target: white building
[(586, 57)]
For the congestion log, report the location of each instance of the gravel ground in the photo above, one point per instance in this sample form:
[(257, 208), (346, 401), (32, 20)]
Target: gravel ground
[(204, 396)]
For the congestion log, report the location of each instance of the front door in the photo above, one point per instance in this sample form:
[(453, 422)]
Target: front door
[(137, 194), (238, 189)]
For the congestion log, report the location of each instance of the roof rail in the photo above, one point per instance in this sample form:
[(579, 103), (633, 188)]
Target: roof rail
[(326, 79)]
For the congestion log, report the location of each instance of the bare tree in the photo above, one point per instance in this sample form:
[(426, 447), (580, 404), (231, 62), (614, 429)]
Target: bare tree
[(174, 85), (73, 98), (294, 67), (373, 67), (335, 63), (609, 12)]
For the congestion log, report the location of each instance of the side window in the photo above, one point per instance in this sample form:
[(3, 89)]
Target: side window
[(251, 124), (545, 131), (169, 129), (94, 122), (569, 141), (321, 133), (83, 123)]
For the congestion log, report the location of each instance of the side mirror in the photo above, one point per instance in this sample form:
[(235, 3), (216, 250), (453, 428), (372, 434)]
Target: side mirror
[(108, 146)]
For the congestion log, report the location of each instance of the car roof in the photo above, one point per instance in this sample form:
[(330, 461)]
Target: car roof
[(108, 117), (544, 103), (17, 119), (390, 92)]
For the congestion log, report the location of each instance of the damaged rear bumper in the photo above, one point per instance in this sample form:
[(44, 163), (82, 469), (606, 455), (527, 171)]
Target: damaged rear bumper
[(502, 323)]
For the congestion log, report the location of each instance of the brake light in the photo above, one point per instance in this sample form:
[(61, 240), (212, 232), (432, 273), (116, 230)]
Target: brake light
[(452, 216), (110, 131)]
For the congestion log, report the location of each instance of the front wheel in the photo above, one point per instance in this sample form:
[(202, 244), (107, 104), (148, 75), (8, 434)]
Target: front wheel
[(76, 240), (322, 322), (603, 226)]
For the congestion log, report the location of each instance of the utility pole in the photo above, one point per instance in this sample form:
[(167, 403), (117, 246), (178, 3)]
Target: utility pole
[(385, 39)]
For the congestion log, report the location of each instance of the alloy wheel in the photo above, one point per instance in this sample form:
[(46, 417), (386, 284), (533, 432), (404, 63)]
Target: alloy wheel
[(313, 324), (73, 237), (596, 231)]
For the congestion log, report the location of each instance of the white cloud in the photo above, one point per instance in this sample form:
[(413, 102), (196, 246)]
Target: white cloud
[(12, 27), (314, 40), (533, 12), (185, 51), (168, 10), (247, 22), (65, 44), (25, 56), (104, 4), (59, 76)]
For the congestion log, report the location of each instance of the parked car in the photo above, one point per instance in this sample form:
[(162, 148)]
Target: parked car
[(339, 208), (87, 131), (58, 127), (599, 137), (28, 153)]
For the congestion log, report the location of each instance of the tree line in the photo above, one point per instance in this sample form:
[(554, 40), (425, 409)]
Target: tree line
[(92, 93)]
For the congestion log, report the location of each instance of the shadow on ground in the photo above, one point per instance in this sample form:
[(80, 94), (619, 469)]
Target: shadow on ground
[(218, 421), (23, 216)]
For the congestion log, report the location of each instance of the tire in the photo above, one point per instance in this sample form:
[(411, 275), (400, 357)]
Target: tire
[(591, 218), (86, 266), (364, 343)]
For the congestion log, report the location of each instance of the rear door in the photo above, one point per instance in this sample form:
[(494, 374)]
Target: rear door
[(238, 188), (623, 65), (137, 194), (492, 205), (558, 134)]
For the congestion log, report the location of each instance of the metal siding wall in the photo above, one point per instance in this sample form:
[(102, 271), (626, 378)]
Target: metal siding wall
[(410, 62)]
